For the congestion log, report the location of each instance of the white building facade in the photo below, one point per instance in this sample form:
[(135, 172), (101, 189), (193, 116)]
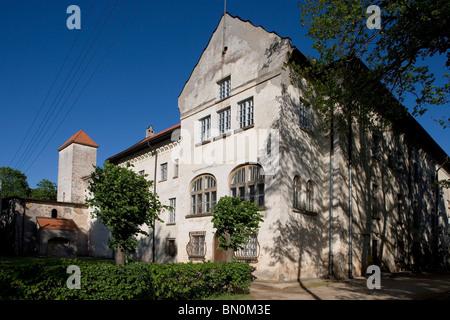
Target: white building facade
[(244, 132)]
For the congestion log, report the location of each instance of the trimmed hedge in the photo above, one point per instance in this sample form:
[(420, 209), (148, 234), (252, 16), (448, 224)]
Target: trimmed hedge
[(101, 281)]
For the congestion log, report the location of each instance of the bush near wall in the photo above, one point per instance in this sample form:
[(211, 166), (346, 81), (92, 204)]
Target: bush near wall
[(102, 281)]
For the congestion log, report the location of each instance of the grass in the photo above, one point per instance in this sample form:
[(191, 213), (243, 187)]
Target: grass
[(229, 296)]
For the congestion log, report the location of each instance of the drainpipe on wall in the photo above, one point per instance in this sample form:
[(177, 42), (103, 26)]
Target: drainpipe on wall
[(330, 273), (350, 213), (154, 191), (436, 220)]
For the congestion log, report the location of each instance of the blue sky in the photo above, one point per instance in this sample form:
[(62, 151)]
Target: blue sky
[(136, 69)]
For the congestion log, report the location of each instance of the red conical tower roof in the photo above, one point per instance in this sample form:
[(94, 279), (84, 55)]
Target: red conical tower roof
[(81, 138)]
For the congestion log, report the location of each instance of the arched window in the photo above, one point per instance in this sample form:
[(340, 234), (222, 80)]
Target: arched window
[(247, 183), (310, 196), (297, 192), (203, 194)]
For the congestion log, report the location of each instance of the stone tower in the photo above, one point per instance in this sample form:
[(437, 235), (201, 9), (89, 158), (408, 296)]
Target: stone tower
[(76, 160)]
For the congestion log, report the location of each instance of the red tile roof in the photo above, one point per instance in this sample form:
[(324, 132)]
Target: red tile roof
[(165, 134), (80, 137), (158, 134), (57, 224)]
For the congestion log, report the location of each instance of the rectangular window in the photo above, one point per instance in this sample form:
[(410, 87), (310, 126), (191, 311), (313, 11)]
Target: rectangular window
[(252, 193), (171, 248), (242, 193), (375, 146), (260, 194), (213, 200), (142, 173), (205, 128), (246, 113), (193, 204), (196, 246), (225, 121), (224, 88), (249, 250), (207, 202), (199, 203), (199, 245), (164, 171), (172, 211), (175, 168), (303, 116)]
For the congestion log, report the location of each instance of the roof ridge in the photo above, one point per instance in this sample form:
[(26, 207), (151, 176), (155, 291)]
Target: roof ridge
[(81, 137)]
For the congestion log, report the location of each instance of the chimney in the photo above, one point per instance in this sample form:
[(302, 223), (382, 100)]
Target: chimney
[(149, 131)]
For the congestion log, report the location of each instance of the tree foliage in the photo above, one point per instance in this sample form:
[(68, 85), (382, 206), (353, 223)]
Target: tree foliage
[(122, 201), (46, 190), (410, 32), (235, 221), (14, 183)]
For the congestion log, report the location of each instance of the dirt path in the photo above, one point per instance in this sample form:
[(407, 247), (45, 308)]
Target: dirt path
[(402, 287)]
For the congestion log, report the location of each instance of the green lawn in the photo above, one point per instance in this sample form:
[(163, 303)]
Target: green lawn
[(229, 296)]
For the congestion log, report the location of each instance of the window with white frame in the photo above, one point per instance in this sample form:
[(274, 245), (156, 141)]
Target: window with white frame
[(303, 116), (196, 248), (224, 88), (297, 193), (225, 121), (205, 127), (203, 194), (163, 171), (173, 210), (247, 183), (246, 113), (310, 196), (142, 173), (249, 250)]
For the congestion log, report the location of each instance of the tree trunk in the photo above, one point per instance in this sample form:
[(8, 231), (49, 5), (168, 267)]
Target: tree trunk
[(120, 255), (229, 253)]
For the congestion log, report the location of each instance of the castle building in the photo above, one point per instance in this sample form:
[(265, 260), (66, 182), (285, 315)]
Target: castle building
[(244, 132)]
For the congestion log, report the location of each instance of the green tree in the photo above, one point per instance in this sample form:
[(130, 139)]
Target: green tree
[(410, 32), (46, 190), (122, 201), (235, 221), (14, 183)]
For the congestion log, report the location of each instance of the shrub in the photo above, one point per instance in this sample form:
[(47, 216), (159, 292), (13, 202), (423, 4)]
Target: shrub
[(100, 281)]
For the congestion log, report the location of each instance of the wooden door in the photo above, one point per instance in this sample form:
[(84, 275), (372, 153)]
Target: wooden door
[(219, 254)]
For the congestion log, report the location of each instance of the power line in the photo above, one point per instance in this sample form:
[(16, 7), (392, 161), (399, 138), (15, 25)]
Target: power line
[(51, 88), (90, 78), (39, 135)]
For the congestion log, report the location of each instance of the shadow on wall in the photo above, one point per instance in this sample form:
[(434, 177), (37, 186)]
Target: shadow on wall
[(145, 247), (300, 242), (98, 241)]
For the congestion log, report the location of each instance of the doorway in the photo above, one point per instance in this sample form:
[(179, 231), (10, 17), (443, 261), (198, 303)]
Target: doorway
[(219, 254)]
